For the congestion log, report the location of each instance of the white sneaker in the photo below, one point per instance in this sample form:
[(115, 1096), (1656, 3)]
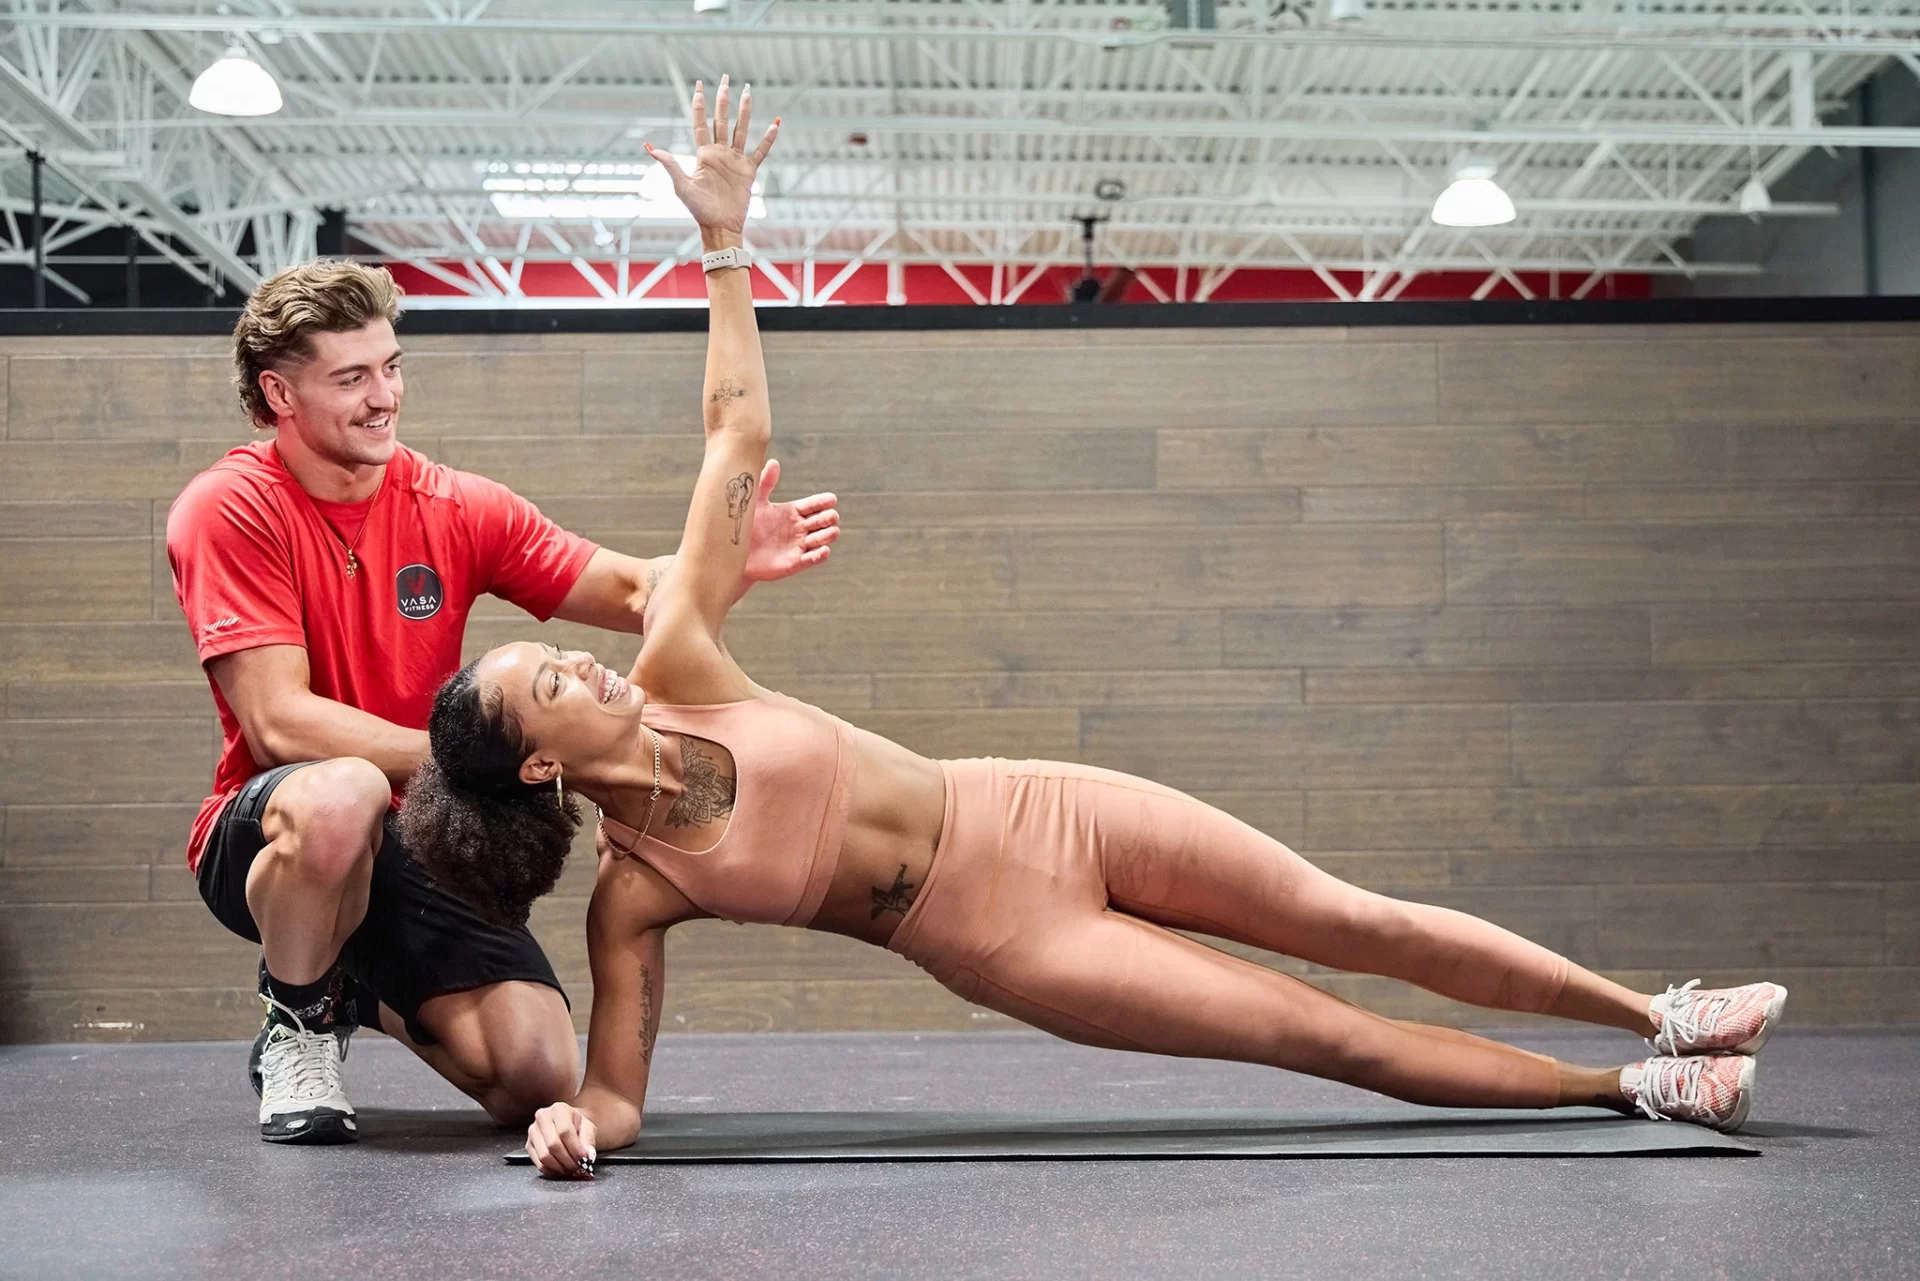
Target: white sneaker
[(302, 1099), (1716, 1020), (1714, 1090)]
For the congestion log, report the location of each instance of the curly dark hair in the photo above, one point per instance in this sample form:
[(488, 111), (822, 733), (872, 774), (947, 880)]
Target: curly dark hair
[(485, 836)]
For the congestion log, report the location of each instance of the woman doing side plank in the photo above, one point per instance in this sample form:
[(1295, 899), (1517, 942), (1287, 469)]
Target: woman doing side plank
[(1049, 892)]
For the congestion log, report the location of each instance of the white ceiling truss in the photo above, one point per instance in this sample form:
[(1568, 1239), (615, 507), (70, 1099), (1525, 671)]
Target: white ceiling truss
[(943, 132)]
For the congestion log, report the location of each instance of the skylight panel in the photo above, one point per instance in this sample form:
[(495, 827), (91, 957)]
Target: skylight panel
[(575, 191)]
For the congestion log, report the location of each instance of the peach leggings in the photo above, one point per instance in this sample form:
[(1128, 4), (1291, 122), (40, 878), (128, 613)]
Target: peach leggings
[(1050, 899)]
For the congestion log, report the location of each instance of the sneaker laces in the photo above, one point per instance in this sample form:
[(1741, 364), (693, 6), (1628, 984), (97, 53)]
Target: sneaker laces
[(1690, 1016), (308, 1070), (1670, 1084)]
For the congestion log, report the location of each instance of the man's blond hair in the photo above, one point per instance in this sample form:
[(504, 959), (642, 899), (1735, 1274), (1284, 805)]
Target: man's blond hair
[(277, 325)]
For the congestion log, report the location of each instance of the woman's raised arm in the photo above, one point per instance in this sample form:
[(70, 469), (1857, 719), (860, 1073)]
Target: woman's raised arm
[(691, 603)]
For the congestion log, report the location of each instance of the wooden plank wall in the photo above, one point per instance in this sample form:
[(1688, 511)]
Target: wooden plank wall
[(1611, 635)]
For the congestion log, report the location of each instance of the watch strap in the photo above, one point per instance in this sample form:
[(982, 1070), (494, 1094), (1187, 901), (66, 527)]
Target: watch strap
[(721, 259)]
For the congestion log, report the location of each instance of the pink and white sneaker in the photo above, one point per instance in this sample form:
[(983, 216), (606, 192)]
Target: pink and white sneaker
[(1714, 1090), (1716, 1020)]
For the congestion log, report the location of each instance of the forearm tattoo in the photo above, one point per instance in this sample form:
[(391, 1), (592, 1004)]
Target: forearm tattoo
[(648, 1028), (727, 390), (897, 897), (739, 501), (707, 793)]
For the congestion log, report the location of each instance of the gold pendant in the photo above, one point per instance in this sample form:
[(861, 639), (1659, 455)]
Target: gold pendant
[(352, 564)]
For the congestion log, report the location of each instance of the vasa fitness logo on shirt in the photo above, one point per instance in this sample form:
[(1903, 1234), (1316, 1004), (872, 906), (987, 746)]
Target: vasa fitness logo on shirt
[(418, 591)]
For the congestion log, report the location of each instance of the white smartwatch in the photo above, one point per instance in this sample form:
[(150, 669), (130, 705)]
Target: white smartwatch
[(721, 259)]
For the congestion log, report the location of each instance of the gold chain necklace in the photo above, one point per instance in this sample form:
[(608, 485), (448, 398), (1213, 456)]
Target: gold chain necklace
[(353, 562), (647, 822)]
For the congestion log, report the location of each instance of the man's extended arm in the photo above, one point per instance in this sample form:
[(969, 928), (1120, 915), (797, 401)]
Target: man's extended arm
[(285, 721)]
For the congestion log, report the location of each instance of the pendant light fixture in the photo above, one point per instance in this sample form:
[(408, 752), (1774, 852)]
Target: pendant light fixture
[(235, 85), (1473, 198)]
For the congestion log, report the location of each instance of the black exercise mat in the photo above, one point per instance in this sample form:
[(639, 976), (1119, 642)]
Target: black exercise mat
[(756, 1137)]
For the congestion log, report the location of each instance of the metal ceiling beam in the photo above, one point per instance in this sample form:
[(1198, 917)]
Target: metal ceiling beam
[(927, 256), (1625, 132), (1621, 132), (393, 105), (791, 172), (1396, 120), (794, 239), (1886, 36), (932, 214), (1371, 204)]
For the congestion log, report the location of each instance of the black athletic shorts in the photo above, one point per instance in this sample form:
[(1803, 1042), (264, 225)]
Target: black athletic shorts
[(417, 941)]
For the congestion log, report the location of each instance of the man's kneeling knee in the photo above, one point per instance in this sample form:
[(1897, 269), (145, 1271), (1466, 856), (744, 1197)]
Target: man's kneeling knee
[(327, 817)]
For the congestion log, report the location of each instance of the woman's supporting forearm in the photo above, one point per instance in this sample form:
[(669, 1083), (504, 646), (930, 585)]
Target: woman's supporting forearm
[(616, 1118), (629, 984)]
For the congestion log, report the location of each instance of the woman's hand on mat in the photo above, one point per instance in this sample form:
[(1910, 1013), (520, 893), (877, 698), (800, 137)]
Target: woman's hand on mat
[(717, 191), (560, 1141), (789, 537)]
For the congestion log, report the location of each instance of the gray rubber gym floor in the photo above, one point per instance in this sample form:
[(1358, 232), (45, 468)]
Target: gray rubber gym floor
[(143, 1161)]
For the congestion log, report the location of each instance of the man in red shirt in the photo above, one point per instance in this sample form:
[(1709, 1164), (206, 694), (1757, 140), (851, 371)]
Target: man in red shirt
[(327, 573)]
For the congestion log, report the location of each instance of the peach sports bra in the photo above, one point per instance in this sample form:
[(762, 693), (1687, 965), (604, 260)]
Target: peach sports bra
[(793, 773)]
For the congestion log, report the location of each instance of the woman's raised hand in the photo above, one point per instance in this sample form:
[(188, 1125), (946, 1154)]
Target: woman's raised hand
[(717, 191), (560, 1141)]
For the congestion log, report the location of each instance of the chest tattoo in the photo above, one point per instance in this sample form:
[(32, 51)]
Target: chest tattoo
[(708, 793)]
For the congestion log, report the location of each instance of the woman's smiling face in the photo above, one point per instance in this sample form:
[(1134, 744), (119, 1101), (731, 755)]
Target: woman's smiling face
[(568, 706)]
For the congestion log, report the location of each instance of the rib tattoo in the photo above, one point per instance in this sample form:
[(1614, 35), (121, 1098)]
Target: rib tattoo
[(739, 501), (707, 793), (897, 897)]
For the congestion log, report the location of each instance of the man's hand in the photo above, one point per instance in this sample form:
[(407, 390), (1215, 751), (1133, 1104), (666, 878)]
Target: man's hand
[(618, 592), (717, 191), (789, 537), (560, 1141)]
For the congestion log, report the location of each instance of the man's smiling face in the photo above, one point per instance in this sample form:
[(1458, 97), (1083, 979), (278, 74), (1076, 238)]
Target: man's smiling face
[(344, 401)]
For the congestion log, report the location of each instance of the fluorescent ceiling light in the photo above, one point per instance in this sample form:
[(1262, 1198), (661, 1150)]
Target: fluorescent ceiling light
[(581, 192), (1473, 199), (236, 85), (1347, 11)]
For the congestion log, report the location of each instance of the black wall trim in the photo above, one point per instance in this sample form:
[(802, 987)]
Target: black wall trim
[(1639, 311)]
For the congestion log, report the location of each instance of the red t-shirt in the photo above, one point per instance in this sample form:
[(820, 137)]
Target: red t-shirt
[(258, 561)]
